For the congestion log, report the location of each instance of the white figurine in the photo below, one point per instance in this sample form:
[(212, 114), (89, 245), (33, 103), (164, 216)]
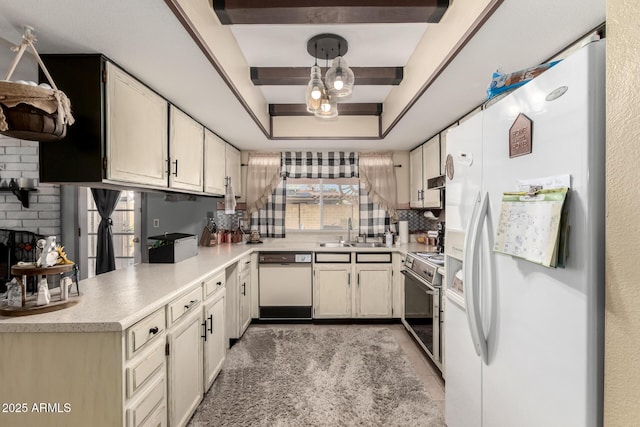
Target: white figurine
[(44, 297), (49, 253), (14, 294)]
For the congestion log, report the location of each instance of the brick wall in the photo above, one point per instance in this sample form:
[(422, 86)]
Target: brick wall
[(20, 159)]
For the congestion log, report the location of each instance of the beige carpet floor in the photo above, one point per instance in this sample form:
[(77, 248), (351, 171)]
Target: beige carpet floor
[(317, 375)]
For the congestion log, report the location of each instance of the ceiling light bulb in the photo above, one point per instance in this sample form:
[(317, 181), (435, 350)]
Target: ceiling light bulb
[(325, 106), (316, 93), (338, 83)]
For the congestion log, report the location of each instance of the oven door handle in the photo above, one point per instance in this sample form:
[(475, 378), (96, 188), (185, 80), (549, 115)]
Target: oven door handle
[(410, 274)]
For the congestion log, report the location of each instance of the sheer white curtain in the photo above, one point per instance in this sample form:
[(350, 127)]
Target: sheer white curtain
[(378, 176), (263, 176)]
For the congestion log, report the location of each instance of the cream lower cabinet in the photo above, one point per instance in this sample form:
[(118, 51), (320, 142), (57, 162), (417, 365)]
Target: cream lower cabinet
[(373, 295), (346, 289), (244, 307), (185, 333), (332, 291), (238, 304), (110, 378), (214, 342)]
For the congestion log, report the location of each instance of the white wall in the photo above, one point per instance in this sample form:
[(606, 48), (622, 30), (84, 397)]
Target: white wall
[(622, 324), (20, 159)]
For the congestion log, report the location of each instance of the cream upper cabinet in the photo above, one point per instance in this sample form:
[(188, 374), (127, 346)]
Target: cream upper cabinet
[(233, 171), (402, 170), (431, 169), (186, 137), (332, 291), (136, 131), (214, 163), (373, 297), (415, 178)]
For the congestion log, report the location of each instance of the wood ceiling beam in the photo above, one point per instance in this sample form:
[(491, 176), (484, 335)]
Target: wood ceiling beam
[(328, 11), (344, 109), (287, 76)]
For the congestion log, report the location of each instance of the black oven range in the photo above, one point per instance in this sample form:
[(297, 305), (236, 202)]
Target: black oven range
[(423, 316)]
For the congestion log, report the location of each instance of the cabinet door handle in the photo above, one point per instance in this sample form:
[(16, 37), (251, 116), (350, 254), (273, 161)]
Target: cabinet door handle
[(154, 330), (191, 304), (219, 283), (349, 279), (358, 280), (211, 323), (244, 288), (204, 327), (175, 162), (168, 166)]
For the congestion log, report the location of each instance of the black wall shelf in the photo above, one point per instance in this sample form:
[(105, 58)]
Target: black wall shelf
[(21, 193)]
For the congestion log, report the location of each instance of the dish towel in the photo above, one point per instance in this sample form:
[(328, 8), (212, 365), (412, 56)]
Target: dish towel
[(229, 200)]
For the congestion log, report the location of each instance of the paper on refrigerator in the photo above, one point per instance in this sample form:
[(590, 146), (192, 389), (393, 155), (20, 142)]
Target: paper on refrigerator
[(531, 226)]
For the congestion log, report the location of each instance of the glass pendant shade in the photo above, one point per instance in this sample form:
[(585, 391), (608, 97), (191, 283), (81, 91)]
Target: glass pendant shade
[(339, 78), (315, 89), (328, 107)]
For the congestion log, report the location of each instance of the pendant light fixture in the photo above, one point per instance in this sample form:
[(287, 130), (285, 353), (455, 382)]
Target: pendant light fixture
[(339, 78), (321, 98), (328, 107), (315, 89)]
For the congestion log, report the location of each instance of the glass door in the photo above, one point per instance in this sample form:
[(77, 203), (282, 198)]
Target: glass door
[(125, 230)]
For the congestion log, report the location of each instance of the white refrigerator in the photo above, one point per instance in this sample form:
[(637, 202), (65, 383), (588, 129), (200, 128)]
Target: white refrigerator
[(524, 342)]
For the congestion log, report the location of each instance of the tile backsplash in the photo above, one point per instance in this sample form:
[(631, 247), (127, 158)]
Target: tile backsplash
[(417, 221)]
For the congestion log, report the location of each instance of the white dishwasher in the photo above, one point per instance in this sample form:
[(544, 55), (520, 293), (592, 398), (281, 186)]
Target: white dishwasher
[(285, 285)]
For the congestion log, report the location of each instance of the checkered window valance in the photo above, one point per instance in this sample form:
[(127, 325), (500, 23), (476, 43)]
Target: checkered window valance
[(307, 164)]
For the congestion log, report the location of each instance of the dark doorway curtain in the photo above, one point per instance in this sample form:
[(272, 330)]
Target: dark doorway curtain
[(106, 201)]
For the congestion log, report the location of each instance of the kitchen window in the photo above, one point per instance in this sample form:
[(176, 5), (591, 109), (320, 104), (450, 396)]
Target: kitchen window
[(322, 204)]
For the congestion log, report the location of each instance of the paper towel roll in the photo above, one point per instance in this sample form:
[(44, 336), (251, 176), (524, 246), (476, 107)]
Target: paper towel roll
[(403, 233)]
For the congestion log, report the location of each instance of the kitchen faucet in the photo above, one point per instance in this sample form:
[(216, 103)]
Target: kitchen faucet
[(349, 228)]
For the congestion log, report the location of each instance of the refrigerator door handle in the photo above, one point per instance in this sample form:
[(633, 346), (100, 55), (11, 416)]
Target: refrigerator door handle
[(468, 276), (471, 275)]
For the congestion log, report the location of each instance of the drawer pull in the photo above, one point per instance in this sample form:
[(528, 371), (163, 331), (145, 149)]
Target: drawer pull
[(154, 330), (211, 323), (219, 283), (191, 304)]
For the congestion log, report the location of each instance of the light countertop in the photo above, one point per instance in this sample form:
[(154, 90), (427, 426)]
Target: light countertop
[(116, 300)]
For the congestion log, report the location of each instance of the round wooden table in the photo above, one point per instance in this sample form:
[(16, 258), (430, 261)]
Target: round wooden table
[(21, 272)]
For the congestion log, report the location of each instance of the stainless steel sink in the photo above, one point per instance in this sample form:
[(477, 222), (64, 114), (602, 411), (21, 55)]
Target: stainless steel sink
[(335, 245), (368, 245), (352, 245)]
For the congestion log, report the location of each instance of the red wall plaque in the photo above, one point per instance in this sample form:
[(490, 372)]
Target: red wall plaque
[(520, 136)]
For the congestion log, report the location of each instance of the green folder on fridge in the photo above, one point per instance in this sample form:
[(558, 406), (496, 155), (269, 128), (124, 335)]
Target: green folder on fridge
[(533, 226)]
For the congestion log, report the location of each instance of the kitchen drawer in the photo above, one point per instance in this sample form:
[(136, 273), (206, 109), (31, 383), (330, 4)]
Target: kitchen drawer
[(183, 304), (244, 264), (142, 370), (214, 283), (143, 332), (377, 258), (153, 398), (158, 418), (333, 257)]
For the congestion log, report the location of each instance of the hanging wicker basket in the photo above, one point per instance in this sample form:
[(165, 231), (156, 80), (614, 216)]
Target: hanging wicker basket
[(30, 112)]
